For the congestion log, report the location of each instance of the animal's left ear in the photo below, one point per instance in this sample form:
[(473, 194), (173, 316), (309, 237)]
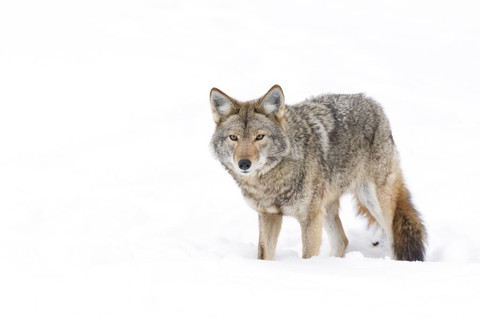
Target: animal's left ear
[(273, 103)]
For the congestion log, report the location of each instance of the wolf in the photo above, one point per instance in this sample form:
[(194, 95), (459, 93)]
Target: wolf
[(299, 160)]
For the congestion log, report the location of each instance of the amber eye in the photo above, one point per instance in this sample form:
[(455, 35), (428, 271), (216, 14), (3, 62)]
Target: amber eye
[(260, 136), (233, 137)]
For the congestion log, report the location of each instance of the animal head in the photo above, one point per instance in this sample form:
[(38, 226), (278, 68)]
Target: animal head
[(250, 137)]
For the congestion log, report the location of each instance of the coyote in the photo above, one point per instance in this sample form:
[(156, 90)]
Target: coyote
[(298, 160)]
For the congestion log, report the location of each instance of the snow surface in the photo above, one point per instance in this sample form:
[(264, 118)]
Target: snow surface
[(112, 206)]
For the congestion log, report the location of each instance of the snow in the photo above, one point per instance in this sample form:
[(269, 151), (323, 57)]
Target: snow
[(112, 206)]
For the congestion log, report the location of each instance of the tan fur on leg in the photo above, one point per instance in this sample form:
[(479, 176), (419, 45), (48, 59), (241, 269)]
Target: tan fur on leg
[(312, 234), (333, 227), (269, 229)]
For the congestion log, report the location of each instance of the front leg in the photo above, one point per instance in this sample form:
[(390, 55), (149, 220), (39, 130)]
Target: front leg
[(269, 229), (312, 233)]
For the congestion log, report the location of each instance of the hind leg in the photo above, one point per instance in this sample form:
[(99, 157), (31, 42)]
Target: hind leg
[(333, 227), (379, 206)]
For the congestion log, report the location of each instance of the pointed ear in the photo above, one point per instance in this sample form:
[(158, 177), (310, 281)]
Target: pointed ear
[(222, 105), (273, 103)]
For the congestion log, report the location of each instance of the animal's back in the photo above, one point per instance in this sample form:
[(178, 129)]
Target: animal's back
[(349, 134)]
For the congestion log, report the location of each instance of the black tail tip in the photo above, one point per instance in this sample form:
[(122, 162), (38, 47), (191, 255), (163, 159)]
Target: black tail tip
[(412, 251)]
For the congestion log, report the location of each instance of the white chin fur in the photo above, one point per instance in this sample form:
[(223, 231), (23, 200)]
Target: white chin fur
[(244, 173)]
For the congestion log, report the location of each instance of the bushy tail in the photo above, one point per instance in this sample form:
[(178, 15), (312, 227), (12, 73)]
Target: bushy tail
[(409, 235)]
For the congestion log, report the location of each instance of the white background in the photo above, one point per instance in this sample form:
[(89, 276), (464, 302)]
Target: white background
[(112, 205)]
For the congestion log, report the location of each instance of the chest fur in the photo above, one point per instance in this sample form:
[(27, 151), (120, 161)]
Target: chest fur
[(287, 199)]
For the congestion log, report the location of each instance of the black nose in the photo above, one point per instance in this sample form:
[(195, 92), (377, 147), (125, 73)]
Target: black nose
[(244, 164)]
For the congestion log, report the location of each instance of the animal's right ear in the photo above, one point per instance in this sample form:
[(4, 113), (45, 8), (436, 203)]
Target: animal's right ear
[(222, 105)]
